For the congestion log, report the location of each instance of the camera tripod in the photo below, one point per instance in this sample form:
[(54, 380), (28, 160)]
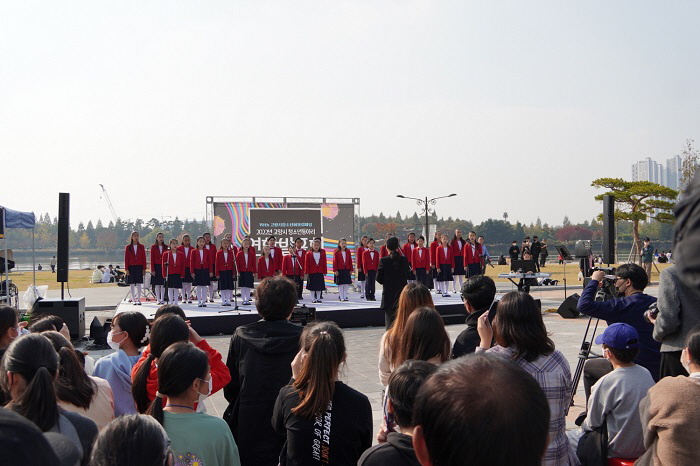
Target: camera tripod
[(583, 355)]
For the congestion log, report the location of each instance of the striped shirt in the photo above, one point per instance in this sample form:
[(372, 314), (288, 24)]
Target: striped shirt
[(553, 374)]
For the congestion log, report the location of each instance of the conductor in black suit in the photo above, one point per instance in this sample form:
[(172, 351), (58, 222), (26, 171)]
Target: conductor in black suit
[(393, 275)]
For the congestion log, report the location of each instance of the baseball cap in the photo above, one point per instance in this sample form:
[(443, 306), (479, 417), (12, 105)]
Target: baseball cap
[(619, 336)]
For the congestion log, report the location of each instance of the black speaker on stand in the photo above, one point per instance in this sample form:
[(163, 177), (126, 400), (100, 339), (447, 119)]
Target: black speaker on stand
[(568, 308), (609, 229), (63, 239)]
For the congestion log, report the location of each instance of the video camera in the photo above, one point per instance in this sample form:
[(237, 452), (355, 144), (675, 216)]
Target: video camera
[(607, 290)]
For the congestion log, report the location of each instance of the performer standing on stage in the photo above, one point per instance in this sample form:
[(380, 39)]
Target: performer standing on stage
[(457, 245), (408, 249), (370, 264), (383, 251), (186, 250), (485, 257), (210, 248), (246, 263), (301, 255), (293, 268), (157, 250), (135, 266), (342, 269), (359, 270), (225, 271), (315, 267), (472, 256), (433, 251), (421, 264), (201, 271), (266, 264), (232, 246), (275, 254), (444, 263), (174, 269)]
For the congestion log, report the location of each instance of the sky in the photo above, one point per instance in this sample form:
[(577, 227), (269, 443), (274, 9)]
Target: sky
[(514, 106)]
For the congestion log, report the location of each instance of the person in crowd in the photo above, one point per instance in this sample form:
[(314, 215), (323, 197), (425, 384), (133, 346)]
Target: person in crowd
[(107, 275), (425, 337), (246, 265), (407, 251), (412, 297), (129, 332), (485, 257), (670, 413), (293, 269), (615, 398), (444, 264), (44, 323), (434, 245), (97, 274), (173, 268), (647, 257), (184, 380), (315, 267), (544, 253), (502, 260), (166, 330), (370, 264), (526, 283), (383, 251), (201, 271), (403, 387), (133, 440), (29, 368), (210, 250), (76, 391), (521, 337), (457, 245), (225, 269), (323, 420), (393, 274), (679, 311), (472, 257), (135, 266), (271, 343), (478, 293), (514, 251), (342, 269), (629, 307), (478, 420), (16, 433), (266, 264), (421, 263), (360, 274), (158, 248), (53, 264), (275, 254), (536, 250), (10, 327), (186, 249)]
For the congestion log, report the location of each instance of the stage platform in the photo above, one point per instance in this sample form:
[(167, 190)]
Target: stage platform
[(217, 319)]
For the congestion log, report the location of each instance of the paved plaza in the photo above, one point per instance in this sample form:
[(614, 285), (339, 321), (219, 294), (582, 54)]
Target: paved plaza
[(360, 371)]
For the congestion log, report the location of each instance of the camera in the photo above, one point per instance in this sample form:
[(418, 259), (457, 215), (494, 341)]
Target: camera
[(607, 290), (652, 312)]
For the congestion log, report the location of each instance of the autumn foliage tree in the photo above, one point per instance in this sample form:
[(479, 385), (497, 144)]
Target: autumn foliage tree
[(638, 201)]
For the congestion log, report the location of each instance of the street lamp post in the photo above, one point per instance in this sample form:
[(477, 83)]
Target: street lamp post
[(425, 203)]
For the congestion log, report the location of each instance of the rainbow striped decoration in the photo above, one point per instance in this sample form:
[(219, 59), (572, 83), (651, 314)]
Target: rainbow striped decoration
[(240, 215), (330, 245)]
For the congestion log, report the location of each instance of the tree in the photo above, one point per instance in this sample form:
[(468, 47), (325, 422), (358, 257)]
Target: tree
[(84, 241), (637, 201), (566, 221), (689, 163), (573, 232)]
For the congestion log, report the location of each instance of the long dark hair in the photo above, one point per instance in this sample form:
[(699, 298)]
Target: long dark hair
[(518, 324), (131, 238), (455, 239), (179, 365), (324, 346), (392, 244), (155, 241), (135, 325), (73, 385), (34, 357), (165, 331), (8, 319), (424, 337), (413, 296), (339, 248)]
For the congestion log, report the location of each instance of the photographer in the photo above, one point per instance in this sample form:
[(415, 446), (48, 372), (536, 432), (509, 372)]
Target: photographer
[(628, 308)]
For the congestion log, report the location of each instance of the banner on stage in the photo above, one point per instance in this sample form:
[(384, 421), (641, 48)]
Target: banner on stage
[(285, 224)]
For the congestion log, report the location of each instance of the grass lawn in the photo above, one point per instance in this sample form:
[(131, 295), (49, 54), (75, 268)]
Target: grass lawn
[(76, 279), (557, 272)]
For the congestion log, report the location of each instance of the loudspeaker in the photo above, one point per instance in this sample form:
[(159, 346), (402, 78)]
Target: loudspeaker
[(609, 229), (568, 308), (63, 237), (72, 311)]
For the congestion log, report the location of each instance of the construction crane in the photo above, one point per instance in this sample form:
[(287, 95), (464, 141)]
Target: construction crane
[(109, 203)]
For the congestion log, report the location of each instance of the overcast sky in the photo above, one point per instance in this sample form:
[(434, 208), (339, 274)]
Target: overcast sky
[(515, 106)]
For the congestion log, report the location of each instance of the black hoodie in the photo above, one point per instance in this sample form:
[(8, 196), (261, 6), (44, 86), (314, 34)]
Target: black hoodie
[(259, 358), (397, 451)]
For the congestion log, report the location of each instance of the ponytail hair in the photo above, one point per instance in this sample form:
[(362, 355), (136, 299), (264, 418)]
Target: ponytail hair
[(34, 358), (165, 331), (179, 365), (73, 385), (324, 346)]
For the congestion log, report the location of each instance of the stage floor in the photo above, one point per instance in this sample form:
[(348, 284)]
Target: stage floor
[(217, 319)]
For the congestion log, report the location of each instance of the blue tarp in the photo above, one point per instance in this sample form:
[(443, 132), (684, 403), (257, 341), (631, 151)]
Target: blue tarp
[(17, 219)]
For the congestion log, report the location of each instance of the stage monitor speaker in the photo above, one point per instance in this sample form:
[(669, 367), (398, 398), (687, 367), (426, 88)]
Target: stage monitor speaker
[(609, 229), (63, 237), (72, 311), (568, 308)]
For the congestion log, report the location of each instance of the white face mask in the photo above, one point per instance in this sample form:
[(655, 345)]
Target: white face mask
[(203, 397), (110, 340), (685, 360)]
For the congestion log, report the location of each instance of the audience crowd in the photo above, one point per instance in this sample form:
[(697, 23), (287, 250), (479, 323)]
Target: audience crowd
[(498, 396)]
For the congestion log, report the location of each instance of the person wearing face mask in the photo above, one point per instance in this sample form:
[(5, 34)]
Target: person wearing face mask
[(128, 334), (514, 251), (10, 328), (629, 307), (183, 380), (615, 398), (670, 413)]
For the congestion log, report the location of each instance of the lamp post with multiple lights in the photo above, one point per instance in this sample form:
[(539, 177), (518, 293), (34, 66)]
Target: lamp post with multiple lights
[(425, 203)]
